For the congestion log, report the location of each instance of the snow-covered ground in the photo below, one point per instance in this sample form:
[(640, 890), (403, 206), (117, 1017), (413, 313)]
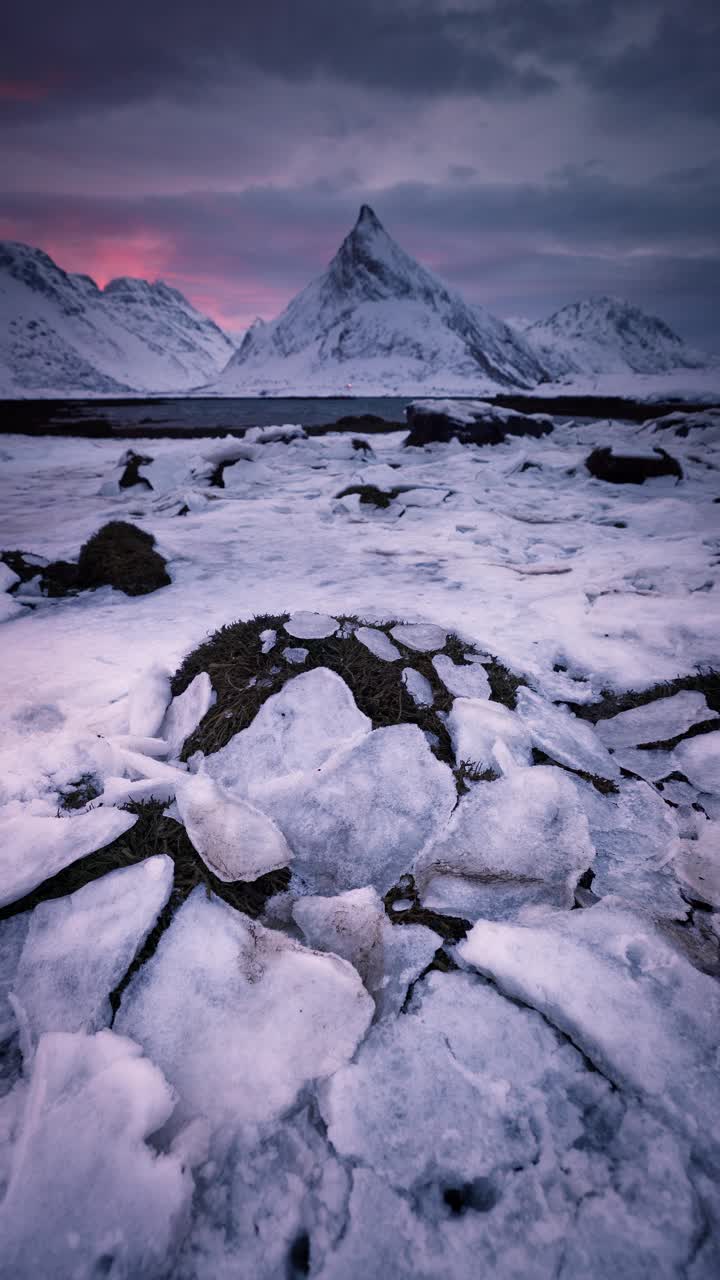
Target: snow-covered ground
[(291, 1096)]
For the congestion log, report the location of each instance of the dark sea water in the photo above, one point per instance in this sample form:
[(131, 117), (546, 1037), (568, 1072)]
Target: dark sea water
[(197, 414)]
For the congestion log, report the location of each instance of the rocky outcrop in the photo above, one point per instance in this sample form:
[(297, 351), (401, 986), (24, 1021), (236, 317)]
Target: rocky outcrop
[(470, 422)]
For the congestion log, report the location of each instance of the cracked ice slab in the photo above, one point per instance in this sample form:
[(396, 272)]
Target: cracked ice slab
[(565, 738), (78, 948), (185, 713), (240, 1018), (234, 838), (378, 643), (87, 1196), (364, 815), (656, 721), (468, 680), (476, 726), (311, 626), (520, 840), (632, 1003), (34, 847), (424, 637), (295, 730), (699, 759)]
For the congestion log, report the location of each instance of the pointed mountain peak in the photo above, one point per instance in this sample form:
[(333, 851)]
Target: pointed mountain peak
[(368, 220)]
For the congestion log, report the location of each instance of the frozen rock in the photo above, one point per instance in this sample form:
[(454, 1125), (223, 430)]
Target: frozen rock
[(87, 1196), (424, 637), (311, 626), (521, 840), (34, 847), (362, 817), (699, 759), (354, 925), (655, 721), (697, 863), (635, 835), (296, 729), (185, 713), (476, 725), (239, 1017), (562, 736), (296, 656), (642, 1014), (235, 839), (147, 702), (78, 948), (378, 643), (418, 687), (462, 681)]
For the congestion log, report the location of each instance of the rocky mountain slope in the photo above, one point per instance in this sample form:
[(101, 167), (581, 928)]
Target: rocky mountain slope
[(377, 322), (61, 334), (608, 335)]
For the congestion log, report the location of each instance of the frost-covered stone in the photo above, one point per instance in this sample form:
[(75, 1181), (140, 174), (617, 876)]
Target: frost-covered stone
[(418, 687), (699, 759), (656, 721), (378, 642), (311, 626), (421, 636), (635, 835), (521, 840), (475, 726), (87, 1195), (186, 711), (361, 818), (295, 730), (462, 681), (232, 836), (354, 925), (240, 1018), (34, 847), (148, 701), (78, 948), (635, 1006), (563, 737)]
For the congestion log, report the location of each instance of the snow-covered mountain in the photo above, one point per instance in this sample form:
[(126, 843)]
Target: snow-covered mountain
[(61, 334), (376, 322), (608, 335)]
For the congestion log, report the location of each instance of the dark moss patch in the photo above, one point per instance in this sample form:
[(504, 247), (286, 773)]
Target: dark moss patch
[(243, 678), (605, 786), (370, 495), (615, 468), (504, 684), (124, 557), (451, 928), (80, 793), (705, 681), (470, 771), (60, 578), (23, 564)]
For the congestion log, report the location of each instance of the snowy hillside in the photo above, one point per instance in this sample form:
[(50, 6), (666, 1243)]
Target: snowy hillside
[(607, 336), (377, 323), (61, 334)]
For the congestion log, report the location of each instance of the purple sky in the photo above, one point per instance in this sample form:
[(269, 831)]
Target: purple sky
[(529, 151)]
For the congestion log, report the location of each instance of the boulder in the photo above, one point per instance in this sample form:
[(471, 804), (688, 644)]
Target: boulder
[(470, 422), (632, 468)]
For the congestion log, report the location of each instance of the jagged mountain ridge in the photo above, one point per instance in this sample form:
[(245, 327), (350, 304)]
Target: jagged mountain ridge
[(376, 321), (608, 335), (61, 334)]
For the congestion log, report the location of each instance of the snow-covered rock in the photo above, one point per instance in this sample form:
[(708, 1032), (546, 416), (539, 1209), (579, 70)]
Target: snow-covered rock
[(378, 322)]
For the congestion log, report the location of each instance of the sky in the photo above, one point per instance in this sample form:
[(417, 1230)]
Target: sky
[(530, 152)]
